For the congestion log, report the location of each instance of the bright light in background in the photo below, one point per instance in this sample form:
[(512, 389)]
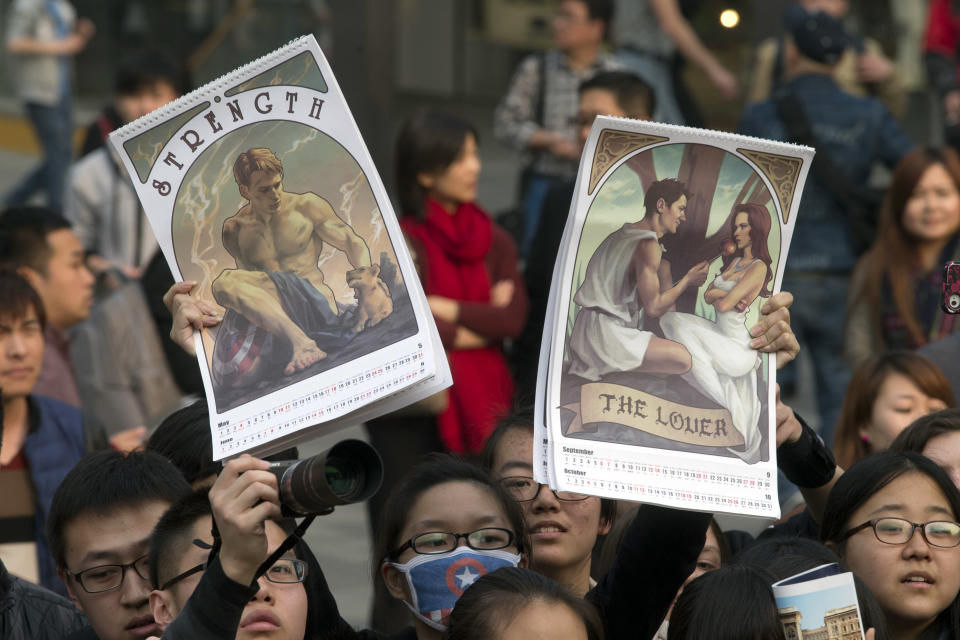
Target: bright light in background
[(729, 18)]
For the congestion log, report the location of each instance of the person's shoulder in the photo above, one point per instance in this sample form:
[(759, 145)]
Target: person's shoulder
[(51, 406), (313, 202), (647, 247), (52, 615), (760, 109), (531, 62), (760, 119), (96, 160), (242, 215), (42, 598)]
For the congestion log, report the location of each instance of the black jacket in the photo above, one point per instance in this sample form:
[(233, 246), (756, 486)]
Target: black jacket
[(30, 612)]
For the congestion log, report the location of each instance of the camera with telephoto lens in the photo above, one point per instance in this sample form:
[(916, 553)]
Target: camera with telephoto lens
[(350, 471)]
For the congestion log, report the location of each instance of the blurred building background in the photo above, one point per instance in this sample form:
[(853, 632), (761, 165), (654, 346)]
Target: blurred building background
[(393, 56)]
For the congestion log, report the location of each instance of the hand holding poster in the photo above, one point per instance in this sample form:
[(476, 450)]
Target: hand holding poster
[(259, 188), (648, 387)]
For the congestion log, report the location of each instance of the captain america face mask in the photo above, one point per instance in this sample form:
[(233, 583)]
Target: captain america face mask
[(437, 581)]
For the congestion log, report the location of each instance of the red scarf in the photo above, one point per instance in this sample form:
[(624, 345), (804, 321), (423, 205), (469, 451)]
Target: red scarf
[(455, 248)]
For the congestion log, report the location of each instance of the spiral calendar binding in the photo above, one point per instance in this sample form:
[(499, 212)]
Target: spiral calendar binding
[(226, 80)]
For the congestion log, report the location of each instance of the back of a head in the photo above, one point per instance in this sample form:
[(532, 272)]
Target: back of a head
[(108, 480), (492, 603), (174, 532), (734, 602), (23, 236), (922, 430), (817, 36), (633, 95), (785, 556), (184, 439)]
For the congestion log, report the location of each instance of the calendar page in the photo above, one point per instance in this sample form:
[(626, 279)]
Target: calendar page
[(260, 190), (648, 388)]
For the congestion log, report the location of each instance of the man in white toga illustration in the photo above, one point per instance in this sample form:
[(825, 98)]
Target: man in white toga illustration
[(625, 280)]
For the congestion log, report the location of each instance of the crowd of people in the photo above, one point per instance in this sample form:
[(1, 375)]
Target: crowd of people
[(116, 523)]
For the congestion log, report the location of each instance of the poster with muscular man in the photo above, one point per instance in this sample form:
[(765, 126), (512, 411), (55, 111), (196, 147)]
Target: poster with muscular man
[(649, 388), (261, 191)]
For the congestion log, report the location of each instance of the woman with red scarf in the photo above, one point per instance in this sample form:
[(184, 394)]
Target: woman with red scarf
[(468, 267)]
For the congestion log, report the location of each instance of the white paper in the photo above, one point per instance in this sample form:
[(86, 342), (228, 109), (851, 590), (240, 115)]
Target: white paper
[(326, 323), (620, 423)]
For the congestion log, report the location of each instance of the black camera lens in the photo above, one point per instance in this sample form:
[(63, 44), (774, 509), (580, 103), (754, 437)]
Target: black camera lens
[(344, 477), (350, 471)]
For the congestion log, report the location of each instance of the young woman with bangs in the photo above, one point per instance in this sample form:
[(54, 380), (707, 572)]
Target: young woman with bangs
[(892, 518), (886, 393)]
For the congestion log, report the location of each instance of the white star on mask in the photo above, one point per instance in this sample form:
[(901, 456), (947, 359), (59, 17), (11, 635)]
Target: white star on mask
[(467, 577)]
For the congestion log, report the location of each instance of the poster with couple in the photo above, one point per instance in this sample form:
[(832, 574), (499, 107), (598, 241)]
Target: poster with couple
[(648, 388)]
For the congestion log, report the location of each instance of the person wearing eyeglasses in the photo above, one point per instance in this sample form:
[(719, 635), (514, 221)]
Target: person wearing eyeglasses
[(99, 528), (446, 525), (657, 553), (892, 518), (290, 601)]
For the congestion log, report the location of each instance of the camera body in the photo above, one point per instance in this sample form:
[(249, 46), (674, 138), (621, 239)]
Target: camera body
[(350, 471), (951, 287)]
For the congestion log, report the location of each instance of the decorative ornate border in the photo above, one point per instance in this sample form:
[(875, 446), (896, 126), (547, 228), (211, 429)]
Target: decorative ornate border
[(782, 172), (614, 145)]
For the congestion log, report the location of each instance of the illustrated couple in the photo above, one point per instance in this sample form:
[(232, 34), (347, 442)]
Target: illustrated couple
[(627, 279)]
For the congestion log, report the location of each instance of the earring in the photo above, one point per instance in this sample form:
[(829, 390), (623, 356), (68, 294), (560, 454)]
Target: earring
[(864, 439)]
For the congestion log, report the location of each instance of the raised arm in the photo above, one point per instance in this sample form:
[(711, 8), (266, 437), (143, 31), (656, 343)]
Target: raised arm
[(20, 42), (329, 228), (673, 23), (646, 261)]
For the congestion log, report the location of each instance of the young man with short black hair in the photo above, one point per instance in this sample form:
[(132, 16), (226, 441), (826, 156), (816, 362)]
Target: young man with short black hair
[(99, 530), (200, 598), (41, 438), (40, 245)]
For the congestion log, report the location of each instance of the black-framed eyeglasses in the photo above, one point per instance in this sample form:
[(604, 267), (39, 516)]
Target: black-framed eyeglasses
[(486, 539), (283, 571), (525, 489), (938, 533), (107, 577)]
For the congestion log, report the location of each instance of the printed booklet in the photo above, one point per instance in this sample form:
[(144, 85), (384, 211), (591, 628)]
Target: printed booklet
[(648, 389), (259, 188), (819, 603)]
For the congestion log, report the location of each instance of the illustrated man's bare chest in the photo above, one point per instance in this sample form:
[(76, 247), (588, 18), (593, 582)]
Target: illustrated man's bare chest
[(285, 235)]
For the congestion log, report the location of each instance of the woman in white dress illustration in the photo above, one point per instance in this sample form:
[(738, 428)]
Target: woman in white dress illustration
[(724, 366)]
